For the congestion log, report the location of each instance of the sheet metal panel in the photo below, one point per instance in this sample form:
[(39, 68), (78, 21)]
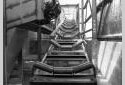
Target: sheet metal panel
[(13, 48), (23, 11), (111, 23)]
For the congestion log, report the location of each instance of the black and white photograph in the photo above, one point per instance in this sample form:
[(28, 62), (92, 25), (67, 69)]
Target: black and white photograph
[(62, 42)]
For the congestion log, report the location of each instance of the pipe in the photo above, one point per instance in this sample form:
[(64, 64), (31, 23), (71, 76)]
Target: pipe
[(43, 67), (83, 67)]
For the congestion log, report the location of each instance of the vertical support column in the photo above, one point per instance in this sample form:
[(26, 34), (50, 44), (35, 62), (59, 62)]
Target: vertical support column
[(40, 16), (94, 19), (5, 42), (39, 43), (77, 14), (78, 17), (39, 9), (94, 26), (83, 29), (4, 23)]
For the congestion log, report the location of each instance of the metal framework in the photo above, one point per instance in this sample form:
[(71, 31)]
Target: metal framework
[(65, 59)]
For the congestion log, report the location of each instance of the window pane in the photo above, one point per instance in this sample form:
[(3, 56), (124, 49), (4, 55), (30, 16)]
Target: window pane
[(107, 55)]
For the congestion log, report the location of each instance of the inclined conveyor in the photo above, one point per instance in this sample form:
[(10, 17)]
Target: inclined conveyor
[(66, 59)]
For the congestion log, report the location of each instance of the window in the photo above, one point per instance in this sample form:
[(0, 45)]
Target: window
[(109, 52)]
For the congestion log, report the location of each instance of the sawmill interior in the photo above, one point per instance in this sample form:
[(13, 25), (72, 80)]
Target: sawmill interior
[(66, 42)]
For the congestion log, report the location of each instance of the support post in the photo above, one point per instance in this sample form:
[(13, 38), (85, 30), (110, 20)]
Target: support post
[(94, 35), (83, 29), (94, 19), (39, 43)]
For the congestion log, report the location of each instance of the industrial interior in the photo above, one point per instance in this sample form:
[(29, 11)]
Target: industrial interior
[(63, 42)]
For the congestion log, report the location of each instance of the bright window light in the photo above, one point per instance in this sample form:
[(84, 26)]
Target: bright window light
[(64, 2), (107, 56), (116, 55), (100, 55)]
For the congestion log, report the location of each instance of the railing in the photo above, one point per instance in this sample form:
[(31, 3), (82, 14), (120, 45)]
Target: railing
[(85, 19), (94, 10)]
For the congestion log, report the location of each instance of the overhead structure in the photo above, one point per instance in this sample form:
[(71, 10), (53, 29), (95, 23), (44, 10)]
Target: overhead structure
[(32, 14)]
